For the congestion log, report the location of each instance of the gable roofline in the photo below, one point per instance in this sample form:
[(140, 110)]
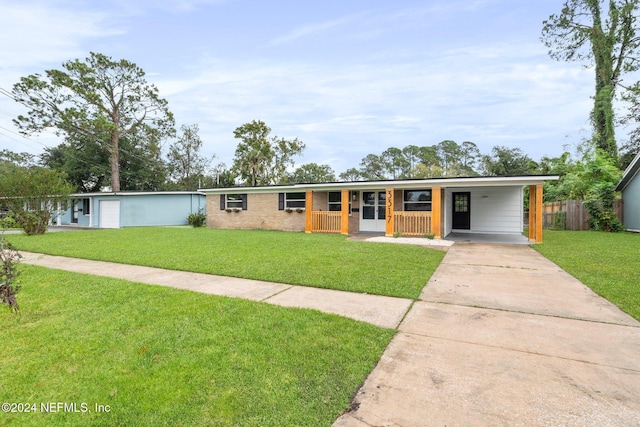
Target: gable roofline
[(454, 182), (134, 193), (629, 173)]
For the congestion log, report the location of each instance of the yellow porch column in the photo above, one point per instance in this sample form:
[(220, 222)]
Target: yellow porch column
[(389, 212), (532, 213), (344, 223), (436, 211), (539, 213), (308, 226)]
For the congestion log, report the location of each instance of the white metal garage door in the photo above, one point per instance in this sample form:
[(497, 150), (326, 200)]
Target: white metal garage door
[(109, 213)]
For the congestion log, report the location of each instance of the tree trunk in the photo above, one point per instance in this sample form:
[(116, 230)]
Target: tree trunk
[(115, 162), (602, 47)]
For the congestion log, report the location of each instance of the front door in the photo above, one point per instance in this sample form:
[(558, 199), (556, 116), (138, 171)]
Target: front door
[(373, 211), (76, 207), (461, 211)]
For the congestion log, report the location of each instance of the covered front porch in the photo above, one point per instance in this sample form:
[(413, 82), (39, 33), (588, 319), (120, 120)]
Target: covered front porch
[(433, 212)]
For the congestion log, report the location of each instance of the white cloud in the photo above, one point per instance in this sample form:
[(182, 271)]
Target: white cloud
[(312, 29), (39, 33)]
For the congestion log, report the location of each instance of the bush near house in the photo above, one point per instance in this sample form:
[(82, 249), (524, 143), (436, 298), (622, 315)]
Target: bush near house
[(197, 219)]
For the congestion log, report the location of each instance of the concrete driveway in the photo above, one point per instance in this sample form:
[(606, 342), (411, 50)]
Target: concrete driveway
[(504, 337)]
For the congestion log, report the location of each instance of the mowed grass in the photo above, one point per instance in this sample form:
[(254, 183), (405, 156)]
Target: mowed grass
[(165, 357), (318, 260), (609, 263)]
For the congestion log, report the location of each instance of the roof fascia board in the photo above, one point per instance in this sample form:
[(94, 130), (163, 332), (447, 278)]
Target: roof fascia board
[(629, 173), (136, 193), (398, 184)]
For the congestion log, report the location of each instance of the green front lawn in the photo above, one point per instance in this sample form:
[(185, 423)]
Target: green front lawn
[(609, 263), (318, 260), (157, 356)]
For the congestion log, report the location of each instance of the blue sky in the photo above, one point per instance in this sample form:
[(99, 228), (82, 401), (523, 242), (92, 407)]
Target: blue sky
[(347, 77)]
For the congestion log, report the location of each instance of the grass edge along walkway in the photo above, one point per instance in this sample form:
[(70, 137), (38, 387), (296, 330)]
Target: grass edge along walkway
[(161, 356), (608, 263), (316, 260)]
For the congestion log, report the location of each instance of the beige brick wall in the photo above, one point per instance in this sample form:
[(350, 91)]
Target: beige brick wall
[(354, 219), (262, 212)]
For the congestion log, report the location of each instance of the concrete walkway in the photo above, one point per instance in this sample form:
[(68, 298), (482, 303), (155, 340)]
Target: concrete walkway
[(504, 337), (378, 310), (501, 336)]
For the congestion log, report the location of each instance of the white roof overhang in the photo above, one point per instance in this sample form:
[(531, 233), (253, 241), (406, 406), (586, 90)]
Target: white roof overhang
[(490, 181)]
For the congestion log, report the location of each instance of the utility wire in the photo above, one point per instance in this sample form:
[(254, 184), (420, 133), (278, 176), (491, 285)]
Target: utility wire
[(83, 131)]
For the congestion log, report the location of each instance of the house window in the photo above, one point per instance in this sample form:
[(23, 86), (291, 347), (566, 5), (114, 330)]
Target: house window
[(233, 201), (335, 201), (86, 206), (417, 200), (292, 201)]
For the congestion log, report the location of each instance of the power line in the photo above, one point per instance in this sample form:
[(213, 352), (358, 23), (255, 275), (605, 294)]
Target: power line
[(6, 93), (85, 132)]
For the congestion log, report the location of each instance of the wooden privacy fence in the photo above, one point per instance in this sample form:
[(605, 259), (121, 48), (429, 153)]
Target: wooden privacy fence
[(326, 221), (570, 215), (412, 223)]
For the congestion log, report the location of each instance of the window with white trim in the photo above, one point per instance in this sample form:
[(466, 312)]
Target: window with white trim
[(295, 200), (335, 201), (417, 200), (233, 201)]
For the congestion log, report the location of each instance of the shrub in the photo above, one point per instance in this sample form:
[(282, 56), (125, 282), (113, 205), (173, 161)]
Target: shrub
[(9, 261), (599, 205), (197, 219)]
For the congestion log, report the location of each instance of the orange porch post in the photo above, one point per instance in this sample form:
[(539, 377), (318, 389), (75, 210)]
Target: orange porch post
[(539, 213), (532, 213), (308, 226), (436, 211), (389, 213), (344, 214), (535, 213)]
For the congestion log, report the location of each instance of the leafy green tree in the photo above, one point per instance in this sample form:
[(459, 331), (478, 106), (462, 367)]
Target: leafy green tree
[(261, 159), (508, 161), (84, 161), (561, 166), (32, 195), (628, 151), (187, 167), (430, 159), (603, 35), (427, 171), (351, 175), (221, 176), (17, 159), (469, 154), (99, 98), (373, 168), (312, 173), (594, 180), (583, 178), (396, 164), (450, 155), (141, 164), (412, 155)]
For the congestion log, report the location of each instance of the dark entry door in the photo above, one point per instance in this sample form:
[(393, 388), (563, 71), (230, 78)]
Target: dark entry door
[(461, 211)]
